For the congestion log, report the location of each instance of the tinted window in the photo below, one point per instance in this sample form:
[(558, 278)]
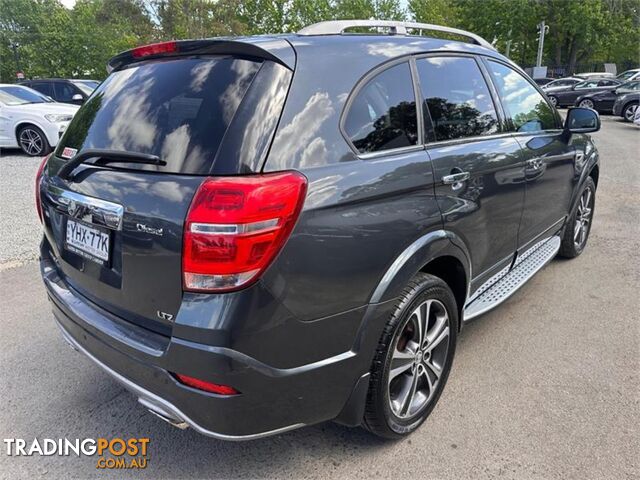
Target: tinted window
[(177, 109), (528, 109), (457, 97), (607, 83), (383, 116), (65, 92), (43, 87)]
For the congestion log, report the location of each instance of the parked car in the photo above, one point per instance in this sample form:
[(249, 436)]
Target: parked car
[(603, 101), (629, 75), (543, 81), (568, 95), (561, 84), (31, 121), (250, 250), (63, 90), (626, 104), (595, 75)]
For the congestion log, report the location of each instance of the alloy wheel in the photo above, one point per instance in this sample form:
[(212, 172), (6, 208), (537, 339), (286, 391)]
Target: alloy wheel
[(629, 112), (554, 101), (586, 103), (418, 359), (31, 141), (583, 218)]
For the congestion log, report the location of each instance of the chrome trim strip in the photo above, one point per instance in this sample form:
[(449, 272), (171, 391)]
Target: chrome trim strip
[(161, 407), (88, 209)]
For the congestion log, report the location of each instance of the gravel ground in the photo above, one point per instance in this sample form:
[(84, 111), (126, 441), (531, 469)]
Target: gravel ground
[(545, 386), (19, 221)]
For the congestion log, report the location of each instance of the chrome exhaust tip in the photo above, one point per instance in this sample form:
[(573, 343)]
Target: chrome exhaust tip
[(163, 414)]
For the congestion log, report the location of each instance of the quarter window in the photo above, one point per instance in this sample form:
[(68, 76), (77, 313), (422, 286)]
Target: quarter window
[(529, 111), (457, 97), (383, 116)]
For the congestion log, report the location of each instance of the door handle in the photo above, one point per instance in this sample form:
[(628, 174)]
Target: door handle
[(456, 180)]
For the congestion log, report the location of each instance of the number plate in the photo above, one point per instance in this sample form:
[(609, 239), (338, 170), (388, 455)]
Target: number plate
[(87, 241)]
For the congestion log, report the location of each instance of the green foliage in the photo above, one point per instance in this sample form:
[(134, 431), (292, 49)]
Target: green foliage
[(52, 40)]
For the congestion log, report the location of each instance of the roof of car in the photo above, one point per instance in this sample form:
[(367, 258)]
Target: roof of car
[(395, 43)]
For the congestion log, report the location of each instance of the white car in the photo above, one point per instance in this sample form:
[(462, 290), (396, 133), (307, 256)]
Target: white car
[(629, 75), (594, 75), (31, 120)]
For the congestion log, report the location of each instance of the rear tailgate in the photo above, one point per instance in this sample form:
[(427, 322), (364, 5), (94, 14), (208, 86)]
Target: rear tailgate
[(115, 230)]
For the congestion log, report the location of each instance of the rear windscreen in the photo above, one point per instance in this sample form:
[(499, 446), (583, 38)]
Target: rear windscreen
[(177, 109)]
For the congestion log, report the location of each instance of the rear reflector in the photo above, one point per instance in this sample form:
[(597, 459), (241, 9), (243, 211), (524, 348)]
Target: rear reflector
[(206, 386), (236, 226), (38, 178), (154, 49)]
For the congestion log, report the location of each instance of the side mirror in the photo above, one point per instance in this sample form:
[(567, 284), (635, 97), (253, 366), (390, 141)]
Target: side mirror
[(77, 98), (582, 120)]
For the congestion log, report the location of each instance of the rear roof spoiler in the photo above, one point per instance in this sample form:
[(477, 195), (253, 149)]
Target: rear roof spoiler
[(265, 48)]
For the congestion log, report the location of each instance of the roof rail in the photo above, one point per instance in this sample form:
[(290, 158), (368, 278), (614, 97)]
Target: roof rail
[(337, 27)]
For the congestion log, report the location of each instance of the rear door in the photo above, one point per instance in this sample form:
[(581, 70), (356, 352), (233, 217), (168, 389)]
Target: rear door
[(479, 171), (115, 230), (548, 157)]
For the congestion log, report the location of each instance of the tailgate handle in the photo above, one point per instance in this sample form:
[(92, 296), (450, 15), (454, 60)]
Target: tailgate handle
[(88, 209)]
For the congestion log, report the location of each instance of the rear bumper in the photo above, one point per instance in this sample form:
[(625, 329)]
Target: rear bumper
[(161, 407), (272, 400), (617, 108)]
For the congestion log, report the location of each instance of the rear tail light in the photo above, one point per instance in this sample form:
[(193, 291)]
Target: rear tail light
[(236, 226), (206, 386), (38, 178), (154, 49)]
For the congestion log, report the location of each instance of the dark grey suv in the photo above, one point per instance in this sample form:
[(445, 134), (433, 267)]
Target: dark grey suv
[(262, 233)]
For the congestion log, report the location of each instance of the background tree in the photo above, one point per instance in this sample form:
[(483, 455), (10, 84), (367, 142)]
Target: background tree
[(54, 41)]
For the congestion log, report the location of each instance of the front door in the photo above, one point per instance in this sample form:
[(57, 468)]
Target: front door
[(479, 170), (548, 156)]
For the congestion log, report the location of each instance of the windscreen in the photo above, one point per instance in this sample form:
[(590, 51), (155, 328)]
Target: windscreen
[(178, 109)]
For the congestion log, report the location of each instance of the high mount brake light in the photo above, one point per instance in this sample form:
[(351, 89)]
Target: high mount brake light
[(38, 178), (154, 49), (236, 226)]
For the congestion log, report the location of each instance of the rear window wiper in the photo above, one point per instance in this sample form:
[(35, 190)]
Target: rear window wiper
[(107, 156)]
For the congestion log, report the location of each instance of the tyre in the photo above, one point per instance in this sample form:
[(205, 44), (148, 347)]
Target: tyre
[(629, 111), (554, 101), (413, 358), (576, 232), (586, 103), (33, 141)]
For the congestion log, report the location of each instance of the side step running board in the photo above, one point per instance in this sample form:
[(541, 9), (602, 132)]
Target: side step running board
[(507, 283)]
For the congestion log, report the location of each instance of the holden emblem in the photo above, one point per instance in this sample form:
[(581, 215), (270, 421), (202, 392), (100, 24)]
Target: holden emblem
[(72, 207)]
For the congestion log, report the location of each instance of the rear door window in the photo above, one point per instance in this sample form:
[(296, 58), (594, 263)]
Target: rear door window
[(383, 115), (178, 109), (457, 97)]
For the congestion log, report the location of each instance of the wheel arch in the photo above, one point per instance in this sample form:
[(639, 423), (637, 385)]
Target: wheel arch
[(441, 253), (25, 123)]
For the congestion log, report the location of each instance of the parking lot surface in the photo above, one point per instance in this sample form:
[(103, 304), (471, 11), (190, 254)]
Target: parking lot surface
[(545, 386)]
